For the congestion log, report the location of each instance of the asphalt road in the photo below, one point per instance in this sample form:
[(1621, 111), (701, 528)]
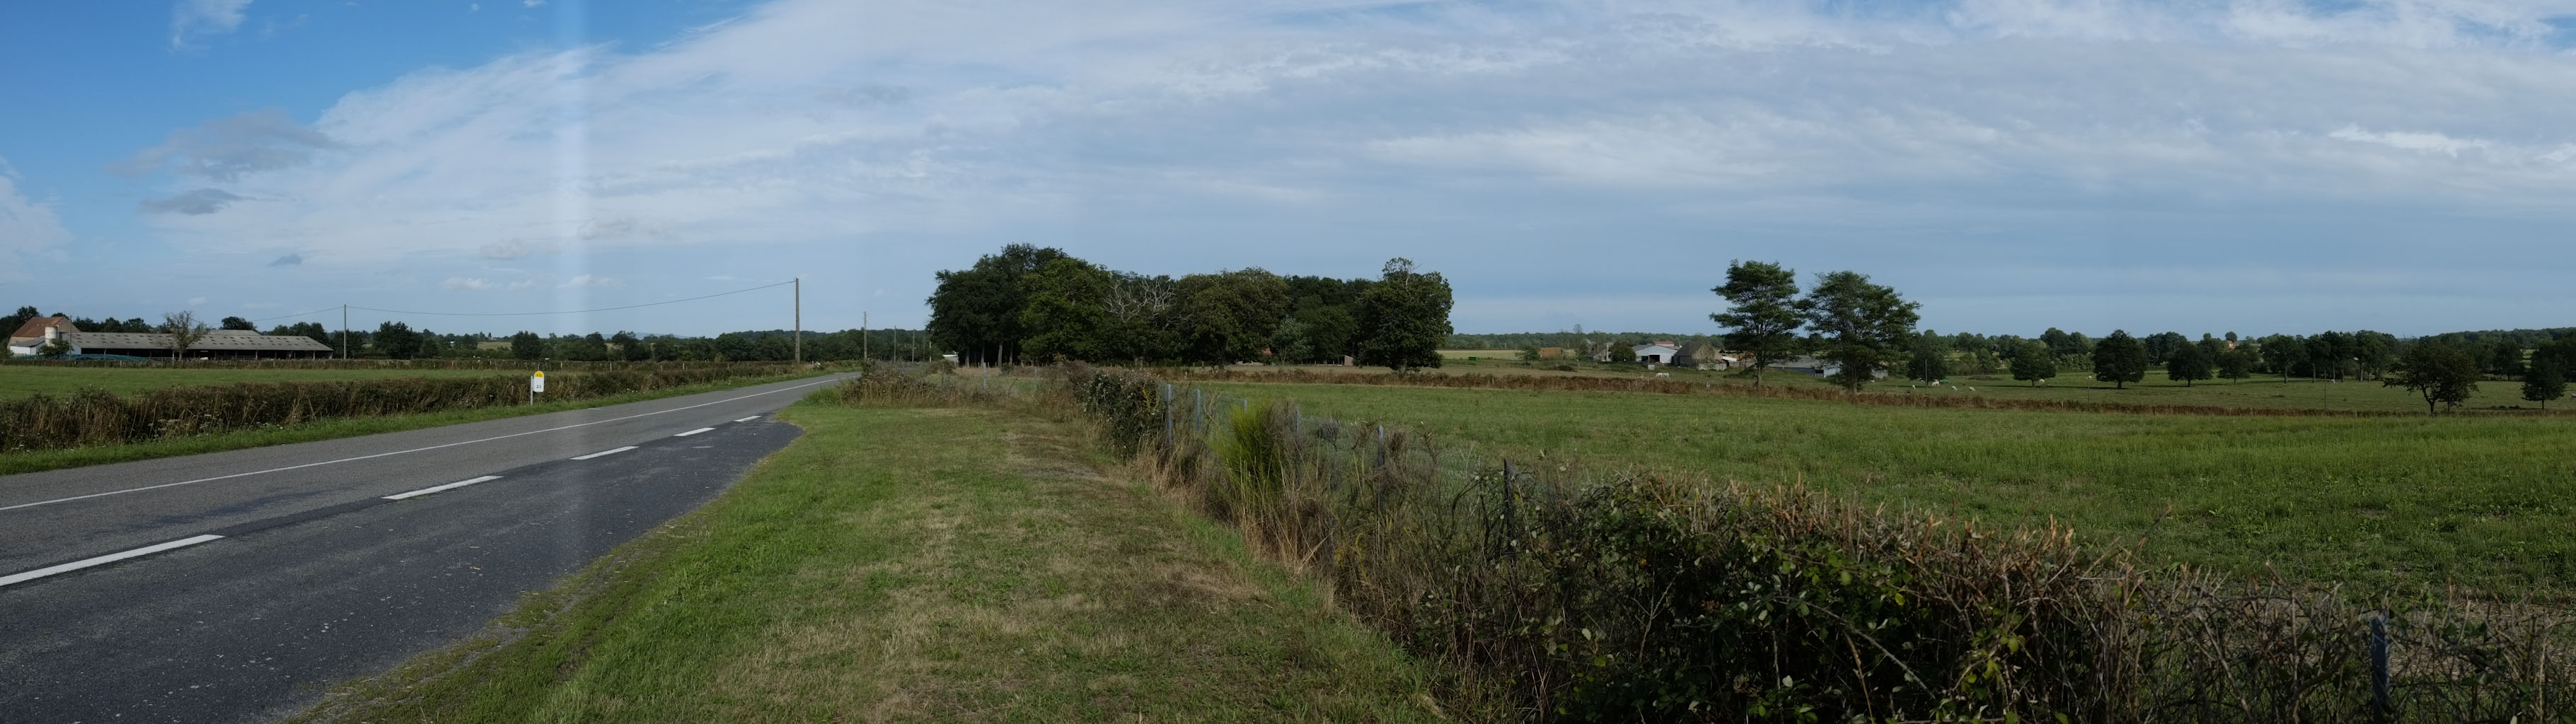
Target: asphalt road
[(265, 576)]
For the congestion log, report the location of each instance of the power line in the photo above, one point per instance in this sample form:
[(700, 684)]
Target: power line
[(573, 311), (292, 316)]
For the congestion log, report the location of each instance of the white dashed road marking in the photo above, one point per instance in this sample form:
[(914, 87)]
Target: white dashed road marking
[(604, 453), (696, 431), (748, 419), (102, 560), (449, 486)]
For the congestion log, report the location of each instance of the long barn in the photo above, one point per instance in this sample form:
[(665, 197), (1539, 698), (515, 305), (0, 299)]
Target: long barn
[(31, 338)]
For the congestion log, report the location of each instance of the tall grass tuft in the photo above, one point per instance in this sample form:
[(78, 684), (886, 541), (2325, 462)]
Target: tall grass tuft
[(97, 417), (1638, 595)]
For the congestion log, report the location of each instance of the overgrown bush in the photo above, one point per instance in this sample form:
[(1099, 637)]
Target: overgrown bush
[(97, 417), (1633, 596)]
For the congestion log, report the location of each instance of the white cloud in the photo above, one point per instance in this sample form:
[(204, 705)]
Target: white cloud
[(471, 284), (585, 280), (30, 231), (193, 301), (1140, 129), (191, 19)]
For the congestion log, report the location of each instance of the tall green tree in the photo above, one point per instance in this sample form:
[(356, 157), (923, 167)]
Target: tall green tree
[(1860, 326), (976, 310), (1762, 316), (1403, 318), (239, 324), (2443, 373), (2236, 364), (2545, 381), (1144, 317), (1231, 314), (2505, 359), (2187, 363), (2033, 363), (629, 347), (1929, 360), (2120, 359), (397, 340), (1067, 312), (527, 345)]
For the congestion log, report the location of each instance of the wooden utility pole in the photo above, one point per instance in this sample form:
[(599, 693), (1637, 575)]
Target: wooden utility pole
[(863, 335), (800, 320), (344, 331)]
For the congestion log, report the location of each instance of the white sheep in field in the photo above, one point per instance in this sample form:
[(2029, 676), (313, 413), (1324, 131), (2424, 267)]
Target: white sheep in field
[(1663, 374)]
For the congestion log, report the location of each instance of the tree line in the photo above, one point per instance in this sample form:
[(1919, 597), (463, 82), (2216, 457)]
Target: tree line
[(1034, 304)]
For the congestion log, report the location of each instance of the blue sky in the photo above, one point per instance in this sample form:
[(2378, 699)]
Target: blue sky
[(2196, 166)]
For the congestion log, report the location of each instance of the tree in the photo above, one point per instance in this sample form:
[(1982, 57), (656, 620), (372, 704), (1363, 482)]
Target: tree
[(2060, 344), (2160, 346), (2236, 364), (1929, 361), (1762, 317), (1066, 312), (527, 345), (2120, 360), (1529, 352), (240, 324), (56, 349), (1231, 314), (1144, 317), (2033, 363), (184, 331), (2443, 373), (1619, 352), (2545, 381), (1861, 326), (2186, 362), (397, 340), (2505, 360), (630, 347), (976, 310), (1404, 318)]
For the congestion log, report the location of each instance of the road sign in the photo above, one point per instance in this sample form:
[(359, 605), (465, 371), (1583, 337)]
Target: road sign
[(537, 382)]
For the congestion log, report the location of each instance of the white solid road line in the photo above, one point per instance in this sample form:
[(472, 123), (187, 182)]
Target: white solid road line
[(696, 431), (748, 419), (109, 558), (449, 486), (604, 453), (400, 452)]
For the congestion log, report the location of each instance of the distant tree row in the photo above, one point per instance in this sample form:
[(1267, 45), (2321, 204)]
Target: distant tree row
[(1034, 304)]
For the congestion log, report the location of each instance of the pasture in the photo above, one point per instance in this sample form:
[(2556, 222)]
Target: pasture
[(20, 380), (2478, 500), (2259, 392)]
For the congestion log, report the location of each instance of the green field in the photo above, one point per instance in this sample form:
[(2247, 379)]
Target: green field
[(2485, 501), (20, 380), (918, 565), (2264, 392)]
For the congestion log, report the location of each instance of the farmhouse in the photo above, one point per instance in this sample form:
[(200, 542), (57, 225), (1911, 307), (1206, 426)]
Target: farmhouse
[(1704, 356), (31, 338)]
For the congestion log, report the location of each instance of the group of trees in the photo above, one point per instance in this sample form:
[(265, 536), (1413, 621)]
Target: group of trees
[(1028, 303), (1860, 327)]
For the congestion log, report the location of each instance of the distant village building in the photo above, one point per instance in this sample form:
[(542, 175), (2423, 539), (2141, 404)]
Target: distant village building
[(31, 338), (1656, 352)]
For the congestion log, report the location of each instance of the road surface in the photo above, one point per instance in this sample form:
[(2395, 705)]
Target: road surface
[(238, 586)]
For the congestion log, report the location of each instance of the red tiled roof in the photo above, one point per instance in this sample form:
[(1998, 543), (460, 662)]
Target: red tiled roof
[(36, 327)]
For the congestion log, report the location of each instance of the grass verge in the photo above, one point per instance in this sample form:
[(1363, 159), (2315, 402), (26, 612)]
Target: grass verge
[(40, 460), (907, 565)]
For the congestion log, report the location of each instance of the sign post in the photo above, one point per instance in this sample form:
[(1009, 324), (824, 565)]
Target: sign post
[(536, 384)]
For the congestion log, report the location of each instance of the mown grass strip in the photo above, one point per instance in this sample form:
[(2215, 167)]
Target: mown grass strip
[(38, 460), (910, 565)]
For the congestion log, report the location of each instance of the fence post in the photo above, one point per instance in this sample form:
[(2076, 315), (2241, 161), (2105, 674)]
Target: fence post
[(1198, 416), (2379, 668)]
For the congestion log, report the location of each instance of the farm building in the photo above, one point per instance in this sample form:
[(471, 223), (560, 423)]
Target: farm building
[(31, 338), (1656, 352), (1704, 356), (1818, 367)]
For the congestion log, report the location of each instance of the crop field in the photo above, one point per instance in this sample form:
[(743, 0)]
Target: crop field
[(2261, 392), (21, 380), (2482, 501)]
